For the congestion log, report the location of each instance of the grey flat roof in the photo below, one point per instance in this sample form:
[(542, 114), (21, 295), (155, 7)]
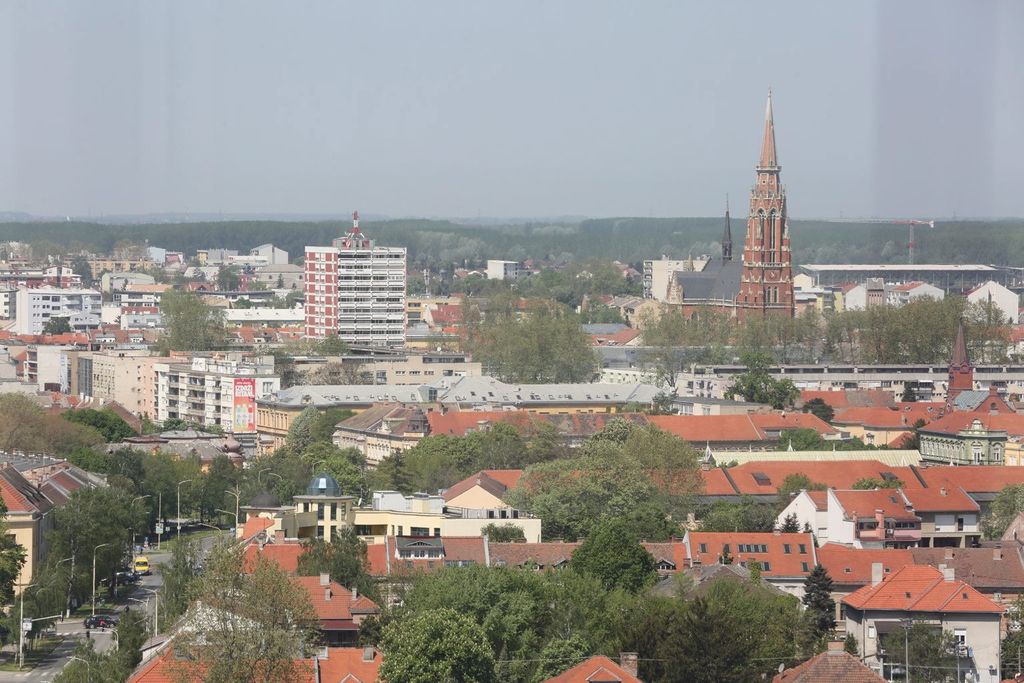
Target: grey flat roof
[(898, 267)]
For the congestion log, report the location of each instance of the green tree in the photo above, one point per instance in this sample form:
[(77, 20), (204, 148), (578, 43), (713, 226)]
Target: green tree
[(80, 267), (229, 279), (344, 559), (504, 533), (221, 476), (745, 515), (560, 654), (821, 608), (190, 324), (613, 555), (909, 393), (757, 384), (300, 433), (179, 577), (869, 483), (794, 484), (542, 344), (108, 423), (1008, 503), (1013, 643), (25, 426), (819, 408), (57, 325), (436, 645), (931, 651), (12, 558), (246, 627), (790, 524)]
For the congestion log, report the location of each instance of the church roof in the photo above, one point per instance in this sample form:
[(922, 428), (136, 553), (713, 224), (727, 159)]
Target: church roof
[(960, 358), (719, 280), (769, 157)]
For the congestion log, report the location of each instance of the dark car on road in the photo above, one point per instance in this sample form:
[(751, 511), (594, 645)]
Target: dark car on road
[(101, 621)]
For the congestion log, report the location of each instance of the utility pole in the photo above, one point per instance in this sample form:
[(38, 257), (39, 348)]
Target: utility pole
[(94, 576), (178, 518)]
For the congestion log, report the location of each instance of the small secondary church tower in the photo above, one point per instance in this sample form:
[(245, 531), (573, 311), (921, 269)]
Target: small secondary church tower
[(766, 284)]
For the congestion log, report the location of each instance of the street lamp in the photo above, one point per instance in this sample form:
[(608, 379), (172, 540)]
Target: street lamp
[(88, 667), (237, 498), (229, 512), (133, 528), (94, 576), (160, 519), (183, 481), (71, 580), (259, 476), (21, 625), (156, 605)]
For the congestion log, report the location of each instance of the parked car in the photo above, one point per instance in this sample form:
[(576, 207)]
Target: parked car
[(101, 621)]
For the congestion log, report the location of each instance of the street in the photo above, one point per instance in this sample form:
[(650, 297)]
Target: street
[(74, 630)]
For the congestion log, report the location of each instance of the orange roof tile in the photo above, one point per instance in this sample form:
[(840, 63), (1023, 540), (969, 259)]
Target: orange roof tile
[(974, 479), (840, 475), (497, 482), (732, 428), (1011, 423), (333, 601), (254, 525), (942, 499), (346, 665), (888, 418), (286, 555), (786, 554), (598, 669), (829, 667), (917, 588), (853, 565), (863, 504)]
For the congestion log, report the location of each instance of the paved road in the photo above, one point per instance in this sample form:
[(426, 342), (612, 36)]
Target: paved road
[(75, 629)]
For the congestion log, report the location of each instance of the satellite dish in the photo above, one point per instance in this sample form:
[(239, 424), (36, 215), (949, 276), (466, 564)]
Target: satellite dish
[(782, 667)]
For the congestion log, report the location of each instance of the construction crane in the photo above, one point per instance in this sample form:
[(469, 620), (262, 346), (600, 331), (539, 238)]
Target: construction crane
[(910, 242), (910, 222)]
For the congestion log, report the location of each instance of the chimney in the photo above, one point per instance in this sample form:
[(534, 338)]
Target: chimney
[(948, 555), (947, 573), (942, 491), (629, 662), (880, 521), (876, 573), (997, 553), (355, 593), (325, 579), (279, 536), (836, 647), (368, 654), (327, 594)]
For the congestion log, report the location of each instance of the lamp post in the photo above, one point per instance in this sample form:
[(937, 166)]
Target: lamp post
[(94, 576), (160, 519), (88, 667), (237, 498), (229, 512), (71, 579), (156, 606), (178, 517), (259, 476), (133, 528), (21, 625)]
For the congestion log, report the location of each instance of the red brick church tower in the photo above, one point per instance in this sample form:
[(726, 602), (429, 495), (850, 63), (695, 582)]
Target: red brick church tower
[(766, 286)]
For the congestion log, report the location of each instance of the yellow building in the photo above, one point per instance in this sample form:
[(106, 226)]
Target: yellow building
[(29, 517)]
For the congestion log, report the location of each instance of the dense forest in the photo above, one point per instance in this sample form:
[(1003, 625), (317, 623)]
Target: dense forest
[(440, 242)]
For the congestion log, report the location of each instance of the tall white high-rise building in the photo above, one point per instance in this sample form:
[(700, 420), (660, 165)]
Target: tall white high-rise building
[(35, 307), (356, 290)]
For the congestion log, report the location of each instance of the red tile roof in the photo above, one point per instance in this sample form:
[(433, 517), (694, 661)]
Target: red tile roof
[(285, 555), (384, 561), (849, 566), (863, 504), (942, 499), (19, 495), (599, 669), (973, 478), (342, 665), (886, 418), (840, 400), (915, 588), (620, 338), (731, 428), (829, 667), (497, 482), (707, 547), (254, 525), (346, 665), (543, 555), (334, 601), (1011, 423), (840, 475)]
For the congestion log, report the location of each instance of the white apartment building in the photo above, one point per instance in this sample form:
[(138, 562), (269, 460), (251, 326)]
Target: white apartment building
[(7, 303), (213, 392), (126, 376), (502, 270), (34, 307), (658, 274), (356, 290)]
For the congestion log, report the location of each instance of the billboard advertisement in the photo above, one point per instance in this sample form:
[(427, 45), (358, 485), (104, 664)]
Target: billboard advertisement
[(244, 418)]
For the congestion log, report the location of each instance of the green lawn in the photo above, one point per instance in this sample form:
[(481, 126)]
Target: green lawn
[(168, 546)]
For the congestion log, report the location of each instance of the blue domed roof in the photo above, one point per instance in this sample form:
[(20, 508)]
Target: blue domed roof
[(323, 484)]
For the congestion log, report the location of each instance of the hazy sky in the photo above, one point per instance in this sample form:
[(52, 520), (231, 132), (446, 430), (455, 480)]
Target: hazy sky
[(519, 108)]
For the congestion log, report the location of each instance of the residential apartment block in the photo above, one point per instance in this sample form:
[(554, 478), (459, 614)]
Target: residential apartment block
[(214, 392), (356, 290), (35, 307), (126, 376)]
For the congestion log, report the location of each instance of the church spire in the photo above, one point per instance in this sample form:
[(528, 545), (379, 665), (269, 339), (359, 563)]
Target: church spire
[(727, 237), (961, 372), (769, 157), (960, 359)]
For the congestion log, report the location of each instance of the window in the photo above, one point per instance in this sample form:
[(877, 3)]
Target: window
[(320, 531), (803, 549), (766, 566), (319, 511), (703, 548), (804, 567), (334, 510), (786, 548)]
